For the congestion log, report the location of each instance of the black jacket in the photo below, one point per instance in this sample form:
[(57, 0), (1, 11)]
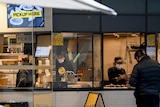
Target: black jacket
[(24, 78), (113, 72), (146, 77)]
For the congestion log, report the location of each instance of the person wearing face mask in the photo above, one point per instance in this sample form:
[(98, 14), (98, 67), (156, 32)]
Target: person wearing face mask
[(117, 75), (145, 78), (62, 61)]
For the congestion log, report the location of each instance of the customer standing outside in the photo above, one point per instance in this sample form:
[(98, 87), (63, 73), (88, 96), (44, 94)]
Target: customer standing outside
[(145, 78)]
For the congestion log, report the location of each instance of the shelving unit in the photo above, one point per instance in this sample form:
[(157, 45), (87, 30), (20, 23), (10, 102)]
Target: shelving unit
[(9, 68)]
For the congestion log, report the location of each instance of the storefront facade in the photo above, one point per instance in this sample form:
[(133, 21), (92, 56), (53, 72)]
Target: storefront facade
[(69, 55)]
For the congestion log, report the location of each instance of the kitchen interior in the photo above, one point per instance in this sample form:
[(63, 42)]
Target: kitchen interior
[(114, 44), (10, 53), (78, 50), (14, 47), (123, 45)]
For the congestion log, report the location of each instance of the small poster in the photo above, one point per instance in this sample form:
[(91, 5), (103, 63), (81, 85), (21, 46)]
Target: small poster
[(151, 40), (58, 39)]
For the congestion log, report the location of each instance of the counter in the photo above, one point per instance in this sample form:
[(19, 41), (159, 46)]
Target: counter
[(84, 84), (117, 87)]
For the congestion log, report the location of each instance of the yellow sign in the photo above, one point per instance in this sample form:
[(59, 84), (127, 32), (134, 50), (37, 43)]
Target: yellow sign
[(94, 100), (6, 105), (151, 40), (91, 100), (27, 14), (58, 39)]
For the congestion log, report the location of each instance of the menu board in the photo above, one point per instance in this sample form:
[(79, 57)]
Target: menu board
[(42, 51)]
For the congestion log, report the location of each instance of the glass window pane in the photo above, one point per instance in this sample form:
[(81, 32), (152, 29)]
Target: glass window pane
[(97, 59), (122, 45), (73, 60)]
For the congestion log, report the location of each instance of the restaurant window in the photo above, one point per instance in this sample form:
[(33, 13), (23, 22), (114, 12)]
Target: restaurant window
[(76, 60), (122, 45), (11, 54)]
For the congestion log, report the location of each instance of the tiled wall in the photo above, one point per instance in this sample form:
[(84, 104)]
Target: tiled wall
[(112, 98), (12, 97)]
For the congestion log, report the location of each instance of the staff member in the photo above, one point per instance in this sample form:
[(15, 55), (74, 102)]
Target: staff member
[(24, 77), (145, 78), (116, 74)]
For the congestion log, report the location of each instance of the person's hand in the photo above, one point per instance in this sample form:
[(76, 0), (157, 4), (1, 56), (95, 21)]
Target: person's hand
[(124, 76), (118, 78), (128, 85)]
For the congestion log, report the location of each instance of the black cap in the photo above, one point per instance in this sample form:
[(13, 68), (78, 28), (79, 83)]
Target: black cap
[(118, 59), (139, 53)]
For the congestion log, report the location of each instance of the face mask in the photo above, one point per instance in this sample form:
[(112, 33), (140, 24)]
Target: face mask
[(60, 60), (119, 66)]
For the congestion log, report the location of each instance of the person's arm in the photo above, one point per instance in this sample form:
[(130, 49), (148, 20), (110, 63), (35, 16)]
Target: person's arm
[(17, 79), (121, 75), (124, 75), (112, 79), (134, 77)]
